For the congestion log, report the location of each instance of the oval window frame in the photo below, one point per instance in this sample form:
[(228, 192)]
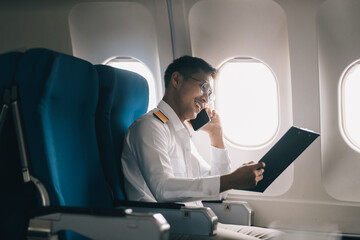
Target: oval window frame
[(271, 138), (345, 133)]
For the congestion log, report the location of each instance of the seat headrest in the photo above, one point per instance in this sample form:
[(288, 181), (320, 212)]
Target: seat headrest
[(8, 64)]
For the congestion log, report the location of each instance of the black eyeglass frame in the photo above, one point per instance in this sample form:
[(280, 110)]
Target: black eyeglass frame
[(209, 93)]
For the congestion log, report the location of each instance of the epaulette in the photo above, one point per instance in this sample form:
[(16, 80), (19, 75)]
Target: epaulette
[(159, 115)]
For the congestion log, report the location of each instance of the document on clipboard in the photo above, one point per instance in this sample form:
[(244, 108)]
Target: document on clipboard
[(283, 153)]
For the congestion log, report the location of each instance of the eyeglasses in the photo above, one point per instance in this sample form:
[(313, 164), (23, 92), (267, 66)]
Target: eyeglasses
[(206, 89)]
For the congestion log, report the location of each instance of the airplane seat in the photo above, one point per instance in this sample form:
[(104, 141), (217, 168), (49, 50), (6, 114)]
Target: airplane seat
[(58, 95), (123, 98), (120, 102), (17, 196)]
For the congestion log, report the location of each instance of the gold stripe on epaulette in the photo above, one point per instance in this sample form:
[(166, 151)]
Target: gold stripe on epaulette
[(161, 116)]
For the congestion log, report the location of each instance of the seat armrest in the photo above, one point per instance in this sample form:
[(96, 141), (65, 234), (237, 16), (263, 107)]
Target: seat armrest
[(182, 219), (232, 212), (100, 223), (41, 211), (149, 204)]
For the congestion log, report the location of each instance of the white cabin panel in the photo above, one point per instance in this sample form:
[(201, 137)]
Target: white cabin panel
[(339, 37)]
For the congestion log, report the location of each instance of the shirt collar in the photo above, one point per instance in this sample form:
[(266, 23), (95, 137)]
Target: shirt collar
[(172, 116)]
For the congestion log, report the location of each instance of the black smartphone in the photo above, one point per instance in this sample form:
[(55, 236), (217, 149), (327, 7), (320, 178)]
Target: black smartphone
[(201, 120)]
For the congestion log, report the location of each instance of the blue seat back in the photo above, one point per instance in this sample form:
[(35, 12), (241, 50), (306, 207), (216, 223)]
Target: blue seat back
[(10, 170), (58, 95), (17, 198), (124, 96), (8, 64)]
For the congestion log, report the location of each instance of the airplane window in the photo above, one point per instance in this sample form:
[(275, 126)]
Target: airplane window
[(350, 111), (247, 101), (137, 66)]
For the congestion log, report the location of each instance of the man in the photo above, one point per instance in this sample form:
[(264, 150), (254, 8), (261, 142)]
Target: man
[(160, 162)]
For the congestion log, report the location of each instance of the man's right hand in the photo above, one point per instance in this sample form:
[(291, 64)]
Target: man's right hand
[(245, 177)]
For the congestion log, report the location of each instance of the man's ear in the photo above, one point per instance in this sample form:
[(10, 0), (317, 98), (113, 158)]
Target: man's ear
[(176, 79)]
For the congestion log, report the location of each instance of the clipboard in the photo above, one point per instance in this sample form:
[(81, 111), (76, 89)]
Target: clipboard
[(283, 153)]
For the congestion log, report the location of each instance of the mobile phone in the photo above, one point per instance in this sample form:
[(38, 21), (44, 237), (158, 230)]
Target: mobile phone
[(201, 120)]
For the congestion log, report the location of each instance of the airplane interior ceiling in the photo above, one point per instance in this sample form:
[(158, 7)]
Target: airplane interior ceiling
[(307, 44)]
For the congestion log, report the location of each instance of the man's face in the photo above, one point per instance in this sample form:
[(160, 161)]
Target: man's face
[(191, 98)]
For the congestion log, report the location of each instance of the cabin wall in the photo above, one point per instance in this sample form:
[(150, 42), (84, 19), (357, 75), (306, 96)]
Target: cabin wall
[(339, 37), (309, 202), (30, 25)]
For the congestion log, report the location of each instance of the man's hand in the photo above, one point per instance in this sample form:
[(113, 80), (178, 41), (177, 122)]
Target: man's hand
[(214, 129), (245, 177)]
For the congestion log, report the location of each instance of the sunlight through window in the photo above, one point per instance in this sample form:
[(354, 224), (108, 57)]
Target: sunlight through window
[(140, 68), (350, 99), (247, 101)]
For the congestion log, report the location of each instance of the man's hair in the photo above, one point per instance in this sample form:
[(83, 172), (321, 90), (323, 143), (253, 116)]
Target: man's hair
[(187, 65)]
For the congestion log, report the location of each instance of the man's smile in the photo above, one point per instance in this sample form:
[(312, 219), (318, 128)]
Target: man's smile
[(199, 105)]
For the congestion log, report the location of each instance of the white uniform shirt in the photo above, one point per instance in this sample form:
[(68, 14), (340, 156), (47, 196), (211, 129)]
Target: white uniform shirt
[(160, 162)]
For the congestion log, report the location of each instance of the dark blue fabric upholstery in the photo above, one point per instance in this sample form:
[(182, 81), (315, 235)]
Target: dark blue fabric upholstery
[(17, 197), (8, 64), (10, 170), (58, 98), (124, 96)]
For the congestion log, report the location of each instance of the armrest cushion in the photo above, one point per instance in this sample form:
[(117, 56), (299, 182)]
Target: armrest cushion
[(78, 210), (212, 201), (149, 204)]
